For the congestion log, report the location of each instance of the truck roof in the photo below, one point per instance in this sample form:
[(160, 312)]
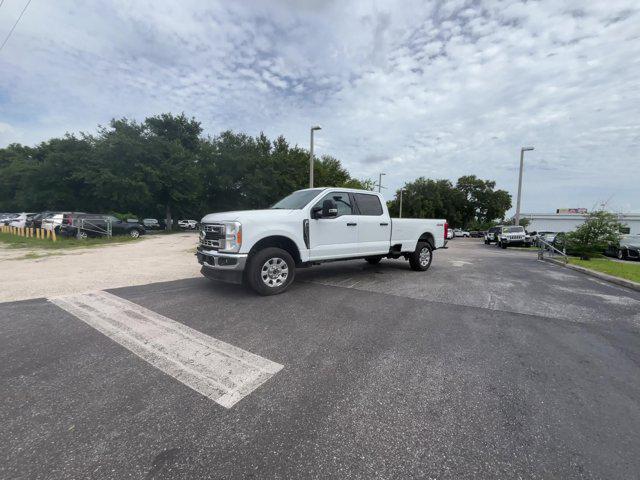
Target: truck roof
[(342, 189)]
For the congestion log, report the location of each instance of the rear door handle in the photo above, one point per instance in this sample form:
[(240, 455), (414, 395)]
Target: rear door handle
[(384, 224), (351, 224)]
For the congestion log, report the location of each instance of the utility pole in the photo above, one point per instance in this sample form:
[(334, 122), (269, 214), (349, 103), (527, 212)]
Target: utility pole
[(313, 129), (522, 150), (380, 181), (401, 190)]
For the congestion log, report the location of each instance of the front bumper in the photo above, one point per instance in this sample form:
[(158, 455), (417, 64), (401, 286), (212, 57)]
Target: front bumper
[(227, 267), (517, 242)]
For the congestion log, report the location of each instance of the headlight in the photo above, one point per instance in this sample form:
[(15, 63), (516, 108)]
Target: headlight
[(233, 237)]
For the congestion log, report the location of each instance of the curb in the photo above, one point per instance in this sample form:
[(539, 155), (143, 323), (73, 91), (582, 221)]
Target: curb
[(603, 276)]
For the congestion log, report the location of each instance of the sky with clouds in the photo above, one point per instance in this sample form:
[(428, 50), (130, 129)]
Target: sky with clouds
[(409, 88)]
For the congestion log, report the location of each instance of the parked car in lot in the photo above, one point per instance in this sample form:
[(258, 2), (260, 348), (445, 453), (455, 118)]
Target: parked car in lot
[(450, 234), (83, 225), (546, 237), (458, 232), (627, 248), (264, 247), (491, 235), (187, 224), (36, 220), (21, 220), (476, 234), (53, 222), (5, 218), (513, 236), (151, 223)]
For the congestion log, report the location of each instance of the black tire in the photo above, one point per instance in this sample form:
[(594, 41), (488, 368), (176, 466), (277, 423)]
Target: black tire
[(416, 262), (487, 242), (272, 283), (373, 260), (503, 245), (622, 255), (134, 233)]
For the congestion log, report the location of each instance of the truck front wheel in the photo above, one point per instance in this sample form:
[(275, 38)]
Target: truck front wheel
[(270, 271), (420, 259)]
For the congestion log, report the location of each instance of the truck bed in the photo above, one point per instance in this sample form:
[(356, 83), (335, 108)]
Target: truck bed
[(407, 231)]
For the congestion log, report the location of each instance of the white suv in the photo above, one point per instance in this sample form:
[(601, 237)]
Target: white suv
[(187, 224), (514, 236)]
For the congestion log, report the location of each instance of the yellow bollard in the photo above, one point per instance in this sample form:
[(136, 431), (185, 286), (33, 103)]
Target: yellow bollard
[(53, 235), (39, 233)]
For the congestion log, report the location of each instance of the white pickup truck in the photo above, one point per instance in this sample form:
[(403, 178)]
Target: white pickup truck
[(263, 247)]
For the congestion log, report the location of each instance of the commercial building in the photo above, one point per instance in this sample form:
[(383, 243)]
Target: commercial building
[(566, 222)]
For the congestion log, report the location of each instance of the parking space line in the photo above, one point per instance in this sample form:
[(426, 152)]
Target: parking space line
[(220, 371)]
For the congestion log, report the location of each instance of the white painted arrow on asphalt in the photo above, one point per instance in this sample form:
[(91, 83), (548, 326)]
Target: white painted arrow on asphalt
[(216, 369)]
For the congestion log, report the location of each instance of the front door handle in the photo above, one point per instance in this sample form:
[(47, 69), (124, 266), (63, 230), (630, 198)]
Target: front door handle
[(351, 224), (384, 224)]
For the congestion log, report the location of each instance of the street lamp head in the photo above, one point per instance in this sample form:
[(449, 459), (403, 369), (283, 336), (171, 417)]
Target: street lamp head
[(527, 149), (317, 127)]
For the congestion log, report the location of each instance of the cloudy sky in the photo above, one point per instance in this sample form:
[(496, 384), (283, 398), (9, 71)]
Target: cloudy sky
[(424, 88)]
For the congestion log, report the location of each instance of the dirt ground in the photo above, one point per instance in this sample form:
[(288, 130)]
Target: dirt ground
[(30, 273)]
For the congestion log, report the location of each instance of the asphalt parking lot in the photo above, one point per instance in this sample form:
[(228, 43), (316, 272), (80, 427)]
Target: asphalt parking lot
[(489, 365)]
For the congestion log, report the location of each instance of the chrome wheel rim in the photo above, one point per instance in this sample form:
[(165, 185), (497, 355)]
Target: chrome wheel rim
[(134, 233), (274, 272), (425, 256), (83, 235)]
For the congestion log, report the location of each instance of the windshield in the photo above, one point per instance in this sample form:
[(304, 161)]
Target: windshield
[(298, 199), (513, 230), (631, 238)]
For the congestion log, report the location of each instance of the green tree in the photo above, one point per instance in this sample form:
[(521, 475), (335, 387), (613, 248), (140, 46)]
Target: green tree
[(171, 166), (426, 198), (484, 202)]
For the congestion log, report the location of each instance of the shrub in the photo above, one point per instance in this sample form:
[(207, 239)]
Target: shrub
[(592, 237)]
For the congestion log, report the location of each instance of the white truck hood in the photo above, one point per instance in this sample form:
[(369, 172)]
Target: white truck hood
[(245, 216)]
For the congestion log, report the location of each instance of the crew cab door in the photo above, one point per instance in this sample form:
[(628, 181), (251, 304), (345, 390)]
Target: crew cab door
[(334, 237), (374, 225)]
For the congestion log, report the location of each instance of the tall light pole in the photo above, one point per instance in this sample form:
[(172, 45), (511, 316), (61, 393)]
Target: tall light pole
[(522, 150), (380, 181), (313, 129), (401, 190)]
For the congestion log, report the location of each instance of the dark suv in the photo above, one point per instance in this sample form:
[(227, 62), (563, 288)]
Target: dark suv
[(83, 225)]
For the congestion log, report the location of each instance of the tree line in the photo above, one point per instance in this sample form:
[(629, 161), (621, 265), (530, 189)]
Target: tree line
[(162, 167), (165, 167), (472, 203)]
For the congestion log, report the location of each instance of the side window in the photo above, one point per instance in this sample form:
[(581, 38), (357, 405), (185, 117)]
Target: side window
[(342, 202), (368, 204)]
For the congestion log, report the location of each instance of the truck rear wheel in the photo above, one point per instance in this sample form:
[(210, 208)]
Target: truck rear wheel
[(420, 259), (270, 271)]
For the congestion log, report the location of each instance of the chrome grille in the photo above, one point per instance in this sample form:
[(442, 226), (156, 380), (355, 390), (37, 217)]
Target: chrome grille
[(210, 243), (211, 235)]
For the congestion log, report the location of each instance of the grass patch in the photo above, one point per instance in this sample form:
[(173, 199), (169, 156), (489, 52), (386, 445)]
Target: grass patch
[(14, 241), (36, 255), (626, 270)]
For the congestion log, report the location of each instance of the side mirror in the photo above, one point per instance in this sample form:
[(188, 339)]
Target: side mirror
[(329, 209)]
